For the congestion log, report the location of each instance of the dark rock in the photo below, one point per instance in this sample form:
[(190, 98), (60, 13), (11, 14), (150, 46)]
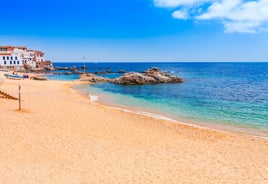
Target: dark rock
[(151, 76), (49, 68), (73, 68), (61, 68), (121, 71), (68, 73), (76, 72), (103, 72), (57, 73)]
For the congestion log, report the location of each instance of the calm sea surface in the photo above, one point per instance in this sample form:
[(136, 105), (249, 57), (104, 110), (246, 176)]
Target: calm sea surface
[(233, 94)]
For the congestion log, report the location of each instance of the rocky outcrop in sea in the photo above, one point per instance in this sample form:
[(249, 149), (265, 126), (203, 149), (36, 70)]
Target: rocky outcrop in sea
[(150, 76), (89, 77)]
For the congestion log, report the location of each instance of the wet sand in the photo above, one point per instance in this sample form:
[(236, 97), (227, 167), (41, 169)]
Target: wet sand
[(62, 137)]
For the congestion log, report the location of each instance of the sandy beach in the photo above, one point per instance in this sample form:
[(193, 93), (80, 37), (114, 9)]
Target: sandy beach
[(61, 136)]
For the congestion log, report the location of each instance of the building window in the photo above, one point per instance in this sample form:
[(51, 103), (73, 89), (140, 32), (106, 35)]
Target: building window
[(4, 57), (16, 58), (7, 58), (5, 62), (11, 58), (10, 62), (18, 62), (14, 62)]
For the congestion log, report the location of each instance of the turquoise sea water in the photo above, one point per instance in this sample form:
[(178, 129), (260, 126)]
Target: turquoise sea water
[(233, 94)]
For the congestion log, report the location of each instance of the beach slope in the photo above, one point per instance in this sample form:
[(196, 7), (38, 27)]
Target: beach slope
[(62, 137)]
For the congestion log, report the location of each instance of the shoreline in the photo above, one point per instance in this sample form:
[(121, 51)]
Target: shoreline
[(63, 137), (225, 128)]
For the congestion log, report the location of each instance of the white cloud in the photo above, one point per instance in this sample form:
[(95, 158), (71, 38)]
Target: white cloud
[(245, 16), (219, 9), (176, 3), (241, 27), (180, 14)]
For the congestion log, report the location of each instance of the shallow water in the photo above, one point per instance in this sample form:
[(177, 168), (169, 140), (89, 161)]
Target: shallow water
[(217, 93)]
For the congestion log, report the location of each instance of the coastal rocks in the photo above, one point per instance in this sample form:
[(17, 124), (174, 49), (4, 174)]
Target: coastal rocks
[(150, 76), (89, 77), (49, 68), (133, 78), (103, 72), (83, 67), (108, 71), (121, 71), (61, 68), (77, 72), (68, 73)]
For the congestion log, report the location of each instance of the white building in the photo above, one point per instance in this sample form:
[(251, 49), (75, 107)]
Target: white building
[(16, 57), (28, 58), (39, 56), (9, 58)]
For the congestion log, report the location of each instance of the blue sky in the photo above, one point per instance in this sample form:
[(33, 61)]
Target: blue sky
[(139, 30)]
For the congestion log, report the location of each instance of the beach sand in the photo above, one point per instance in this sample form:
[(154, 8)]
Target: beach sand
[(62, 137)]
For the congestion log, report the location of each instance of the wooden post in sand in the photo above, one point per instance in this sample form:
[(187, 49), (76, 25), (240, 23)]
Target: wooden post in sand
[(19, 97)]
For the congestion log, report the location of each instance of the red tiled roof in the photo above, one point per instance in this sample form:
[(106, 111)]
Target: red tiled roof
[(5, 54), (39, 52), (9, 48)]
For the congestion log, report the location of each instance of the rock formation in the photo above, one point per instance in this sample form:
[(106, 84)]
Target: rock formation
[(89, 77), (121, 71), (151, 76)]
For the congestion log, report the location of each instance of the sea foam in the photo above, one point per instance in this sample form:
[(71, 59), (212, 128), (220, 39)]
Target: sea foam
[(93, 98)]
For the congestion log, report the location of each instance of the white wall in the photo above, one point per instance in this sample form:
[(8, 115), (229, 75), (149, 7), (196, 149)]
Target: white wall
[(39, 58), (13, 60), (23, 57)]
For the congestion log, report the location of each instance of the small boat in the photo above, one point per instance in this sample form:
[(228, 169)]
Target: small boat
[(14, 77), (40, 78)]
